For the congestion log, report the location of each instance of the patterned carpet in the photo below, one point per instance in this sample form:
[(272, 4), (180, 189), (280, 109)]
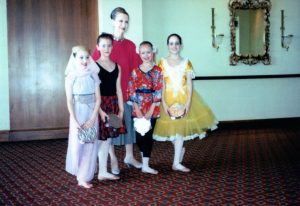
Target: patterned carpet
[(232, 166)]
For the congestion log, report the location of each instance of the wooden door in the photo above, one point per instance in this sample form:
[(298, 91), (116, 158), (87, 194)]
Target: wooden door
[(41, 34)]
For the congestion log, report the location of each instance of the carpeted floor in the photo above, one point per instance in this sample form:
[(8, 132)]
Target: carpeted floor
[(232, 166)]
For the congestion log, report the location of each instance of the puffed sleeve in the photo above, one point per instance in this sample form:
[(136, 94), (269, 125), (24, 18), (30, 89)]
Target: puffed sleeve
[(189, 68), (157, 85), (161, 66), (70, 78), (131, 89), (96, 79)]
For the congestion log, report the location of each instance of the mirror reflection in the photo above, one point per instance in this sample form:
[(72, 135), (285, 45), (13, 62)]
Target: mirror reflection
[(250, 32)]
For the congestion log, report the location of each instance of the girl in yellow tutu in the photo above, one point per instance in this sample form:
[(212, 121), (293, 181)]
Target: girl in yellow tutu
[(184, 114)]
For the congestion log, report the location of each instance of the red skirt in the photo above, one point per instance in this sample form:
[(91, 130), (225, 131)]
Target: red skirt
[(109, 104)]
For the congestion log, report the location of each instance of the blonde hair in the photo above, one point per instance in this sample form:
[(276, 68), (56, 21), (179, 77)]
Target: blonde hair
[(78, 48)]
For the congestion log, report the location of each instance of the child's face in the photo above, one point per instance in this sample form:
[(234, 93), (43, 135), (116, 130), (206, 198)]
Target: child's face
[(120, 23), (105, 47), (82, 59), (146, 53), (174, 45)]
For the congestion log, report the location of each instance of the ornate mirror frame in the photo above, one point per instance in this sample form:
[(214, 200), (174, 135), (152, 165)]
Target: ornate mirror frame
[(243, 5)]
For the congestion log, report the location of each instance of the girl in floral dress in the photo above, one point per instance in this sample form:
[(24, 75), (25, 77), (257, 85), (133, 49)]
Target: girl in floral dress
[(144, 91), (194, 116)]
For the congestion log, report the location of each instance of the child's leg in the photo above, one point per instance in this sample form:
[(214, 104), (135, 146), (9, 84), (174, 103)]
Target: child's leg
[(145, 144), (178, 147), (102, 155), (113, 160)]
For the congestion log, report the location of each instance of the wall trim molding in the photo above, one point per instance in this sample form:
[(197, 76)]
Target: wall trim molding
[(261, 123), (34, 134), (247, 77)]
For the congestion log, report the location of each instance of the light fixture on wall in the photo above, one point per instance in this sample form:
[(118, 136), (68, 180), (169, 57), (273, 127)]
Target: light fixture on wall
[(216, 38), (286, 40)]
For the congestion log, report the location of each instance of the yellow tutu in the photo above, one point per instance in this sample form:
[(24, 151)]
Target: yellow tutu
[(195, 124)]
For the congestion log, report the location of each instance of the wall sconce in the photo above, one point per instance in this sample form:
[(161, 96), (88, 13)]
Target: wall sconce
[(286, 40), (216, 38)]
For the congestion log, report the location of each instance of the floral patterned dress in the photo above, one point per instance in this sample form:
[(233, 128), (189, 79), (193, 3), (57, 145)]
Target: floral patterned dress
[(145, 88)]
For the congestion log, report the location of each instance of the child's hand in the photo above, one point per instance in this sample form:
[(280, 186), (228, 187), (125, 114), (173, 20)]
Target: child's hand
[(77, 125), (89, 123), (187, 108), (121, 114), (138, 113), (166, 110), (148, 115), (103, 116)]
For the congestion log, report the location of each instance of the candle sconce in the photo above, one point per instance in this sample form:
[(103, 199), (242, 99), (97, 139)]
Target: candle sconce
[(216, 38), (286, 40)]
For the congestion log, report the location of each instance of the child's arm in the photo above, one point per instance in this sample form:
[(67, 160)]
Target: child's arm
[(189, 91), (120, 95), (137, 110), (149, 114), (69, 95), (94, 115), (165, 106)]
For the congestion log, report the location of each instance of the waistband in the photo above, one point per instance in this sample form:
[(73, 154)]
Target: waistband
[(145, 91), (84, 98)]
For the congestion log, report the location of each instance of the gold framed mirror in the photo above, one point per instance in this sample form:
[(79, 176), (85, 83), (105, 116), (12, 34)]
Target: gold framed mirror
[(249, 31)]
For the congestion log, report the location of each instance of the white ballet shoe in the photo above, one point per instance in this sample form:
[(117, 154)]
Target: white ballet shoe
[(114, 167), (181, 168), (131, 162), (107, 176), (85, 185), (149, 170)]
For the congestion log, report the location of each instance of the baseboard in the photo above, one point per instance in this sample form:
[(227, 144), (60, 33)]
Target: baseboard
[(4, 136), (261, 123), (34, 134)]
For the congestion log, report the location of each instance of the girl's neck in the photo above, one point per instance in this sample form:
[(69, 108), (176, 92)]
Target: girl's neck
[(118, 36), (104, 59), (146, 66), (174, 56)]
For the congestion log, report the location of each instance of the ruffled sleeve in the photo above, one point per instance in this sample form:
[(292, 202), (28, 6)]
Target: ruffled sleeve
[(161, 66), (189, 69), (157, 85), (70, 78), (131, 89)]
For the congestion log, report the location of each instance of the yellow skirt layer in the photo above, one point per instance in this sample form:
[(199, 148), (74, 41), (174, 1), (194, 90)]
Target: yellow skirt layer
[(199, 119)]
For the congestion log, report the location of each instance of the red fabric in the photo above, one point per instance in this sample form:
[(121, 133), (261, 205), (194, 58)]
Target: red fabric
[(109, 104), (124, 54), (151, 80)]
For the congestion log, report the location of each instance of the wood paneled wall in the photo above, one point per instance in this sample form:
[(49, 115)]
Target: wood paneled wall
[(41, 34)]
